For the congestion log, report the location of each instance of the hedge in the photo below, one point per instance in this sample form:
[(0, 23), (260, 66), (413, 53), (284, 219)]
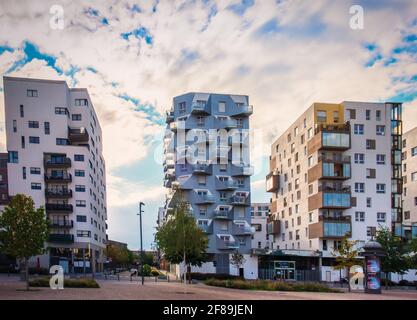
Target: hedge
[(68, 283)]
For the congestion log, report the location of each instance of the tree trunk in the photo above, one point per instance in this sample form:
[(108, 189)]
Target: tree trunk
[(27, 273), (386, 280), (348, 279), (189, 273)]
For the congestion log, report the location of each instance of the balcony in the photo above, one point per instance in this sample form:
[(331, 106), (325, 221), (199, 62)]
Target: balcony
[(226, 244), (59, 162), (330, 137), (66, 177), (226, 124), (333, 228), (207, 228), (236, 200), (205, 199), (58, 193), (205, 169), (170, 174), (244, 170), (78, 135), (330, 200), (274, 227), (200, 108), (66, 224), (169, 116), (229, 184), (223, 214), (61, 238), (329, 169), (59, 207), (272, 182), (239, 230), (244, 110)]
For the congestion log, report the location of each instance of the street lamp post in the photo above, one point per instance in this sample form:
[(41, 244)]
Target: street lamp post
[(141, 244)]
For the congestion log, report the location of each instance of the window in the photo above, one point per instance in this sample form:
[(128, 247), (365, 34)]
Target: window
[(32, 93), (415, 201), (380, 130), (80, 203), (79, 188), (324, 245), (414, 176), (14, 126), (380, 159), (22, 111), (81, 218), (378, 115), (22, 142), (35, 170), (310, 133), (47, 128), (370, 231), (24, 173), (182, 107), (310, 161), (358, 129), (61, 142), (79, 157), (59, 110), (370, 173), (368, 202), (380, 188), (81, 102), (13, 157), (370, 144), (321, 116), (295, 131), (359, 216), (406, 215), (359, 158), (35, 186), (33, 124), (34, 140), (368, 114), (83, 233), (222, 106), (414, 151), (359, 187), (76, 117), (79, 173), (335, 116), (352, 113), (380, 216)]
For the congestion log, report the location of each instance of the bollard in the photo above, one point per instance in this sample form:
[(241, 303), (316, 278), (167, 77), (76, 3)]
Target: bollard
[(168, 278), (118, 277), (156, 279)]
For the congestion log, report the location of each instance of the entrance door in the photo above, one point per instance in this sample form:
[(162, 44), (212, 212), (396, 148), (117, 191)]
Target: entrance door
[(328, 276), (285, 270)]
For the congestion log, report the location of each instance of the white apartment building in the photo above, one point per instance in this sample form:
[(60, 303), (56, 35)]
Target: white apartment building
[(331, 176), (54, 144), (409, 158), (260, 239)]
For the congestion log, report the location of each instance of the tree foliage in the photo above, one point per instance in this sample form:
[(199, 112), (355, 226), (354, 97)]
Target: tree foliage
[(119, 256), (180, 236), (237, 260), (395, 251), (347, 256), (24, 229)]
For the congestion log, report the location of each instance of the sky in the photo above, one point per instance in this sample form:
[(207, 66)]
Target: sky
[(135, 56)]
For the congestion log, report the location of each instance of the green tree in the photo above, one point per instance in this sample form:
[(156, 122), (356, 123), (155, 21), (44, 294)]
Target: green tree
[(347, 257), (24, 230), (395, 253), (180, 239), (412, 254), (119, 256), (237, 260)]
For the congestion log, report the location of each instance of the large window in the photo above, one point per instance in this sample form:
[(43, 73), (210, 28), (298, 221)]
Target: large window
[(79, 157), (359, 187), (59, 110), (331, 139), (331, 199), (359, 158), (380, 159), (32, 93), (33, 124), (81, 102), (336, 229), (34, 140), (414, 151), (321, 116), (358, 129), (76, 117)]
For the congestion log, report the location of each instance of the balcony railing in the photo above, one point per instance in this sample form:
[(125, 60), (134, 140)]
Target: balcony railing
[(58, 207), (330, 229), (226, 244), (344, 127), (223, 214), (244, 170), (200, 108), (245, 110), (242, 230), (205, 199), (202, 169), (229, 184), (58, 193), (226, 124), (239, 200), (61, 238), (66, 224), (207, 228), (67, 177), (78, 135), (57, 162)]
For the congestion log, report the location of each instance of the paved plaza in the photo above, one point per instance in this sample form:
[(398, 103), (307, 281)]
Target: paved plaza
[(11, 289)]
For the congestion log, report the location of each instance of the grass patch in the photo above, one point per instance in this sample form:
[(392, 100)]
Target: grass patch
[(269, 285), (68, 283)]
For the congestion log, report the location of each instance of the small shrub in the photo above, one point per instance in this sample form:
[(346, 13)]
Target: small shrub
[(269, 285), (154, 272), (218, 276), (68, 283), (40, 271), (390, 283)]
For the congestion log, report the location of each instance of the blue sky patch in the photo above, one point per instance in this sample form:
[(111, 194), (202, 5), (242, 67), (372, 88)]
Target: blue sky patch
[(269, 27), (149, 110), (5, 48), (139, 33), (241, 6)]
